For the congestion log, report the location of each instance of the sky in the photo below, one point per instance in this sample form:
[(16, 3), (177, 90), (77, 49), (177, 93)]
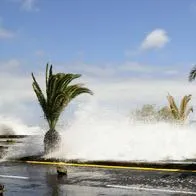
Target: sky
[(129, 52)]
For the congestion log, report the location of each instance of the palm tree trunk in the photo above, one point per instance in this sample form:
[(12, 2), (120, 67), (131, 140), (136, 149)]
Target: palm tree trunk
[(51, 141)]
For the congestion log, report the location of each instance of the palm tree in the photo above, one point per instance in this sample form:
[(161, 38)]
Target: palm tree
[(59, 93), (180, 114)]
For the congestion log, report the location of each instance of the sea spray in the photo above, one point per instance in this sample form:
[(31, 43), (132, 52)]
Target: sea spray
[(97, 133), (30, 145), (13, 126)]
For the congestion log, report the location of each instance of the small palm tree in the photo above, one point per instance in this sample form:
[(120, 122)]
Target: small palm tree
[(59, 93), (180, 114)]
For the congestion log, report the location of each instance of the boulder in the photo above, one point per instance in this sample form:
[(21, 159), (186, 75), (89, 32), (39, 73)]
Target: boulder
[(61, 170)]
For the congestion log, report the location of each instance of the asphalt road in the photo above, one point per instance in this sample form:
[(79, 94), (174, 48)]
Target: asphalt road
[(21, 179)]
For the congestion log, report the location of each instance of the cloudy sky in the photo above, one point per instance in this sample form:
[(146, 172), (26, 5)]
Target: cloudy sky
[(130, 52)]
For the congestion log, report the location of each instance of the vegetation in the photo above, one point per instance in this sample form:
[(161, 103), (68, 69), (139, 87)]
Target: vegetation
[(58, 94), (164, 114), (150, 113), (192, 74), (180, 114)]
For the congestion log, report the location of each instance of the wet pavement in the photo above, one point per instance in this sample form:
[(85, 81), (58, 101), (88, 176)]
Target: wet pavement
[(22, 179)]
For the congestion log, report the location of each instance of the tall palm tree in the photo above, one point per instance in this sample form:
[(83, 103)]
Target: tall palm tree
[(59, 93), (180, 114)]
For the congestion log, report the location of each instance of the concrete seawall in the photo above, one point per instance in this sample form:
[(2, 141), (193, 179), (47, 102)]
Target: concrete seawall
[(185, 166), (7, 141)]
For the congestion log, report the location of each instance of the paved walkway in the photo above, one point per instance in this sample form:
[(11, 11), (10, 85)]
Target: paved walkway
[(21, 179)]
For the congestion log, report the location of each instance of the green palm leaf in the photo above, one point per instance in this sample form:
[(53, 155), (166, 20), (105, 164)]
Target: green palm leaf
[(59, 93), (192, 74), (39, 93)]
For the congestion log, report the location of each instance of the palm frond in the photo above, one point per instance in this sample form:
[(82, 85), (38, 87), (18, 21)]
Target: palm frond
[(47, 75), (39, 93), (67, 79), (188, 112), (184, 103), (77, 89), (182, 113), (192, 74), (173, 107), (59, 93)]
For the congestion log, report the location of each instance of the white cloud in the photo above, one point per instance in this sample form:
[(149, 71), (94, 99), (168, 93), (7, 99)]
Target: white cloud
[(125, 69), (158, 38), (110, 86), (136, 67), (14, 85), (171, 72), (17, 97), (5, 33), (15, 88), (89, 69), (129, 85), (29, 5), (131, 93), (10, 64)]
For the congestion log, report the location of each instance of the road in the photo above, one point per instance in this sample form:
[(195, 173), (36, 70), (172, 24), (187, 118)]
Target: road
[(22, 179)]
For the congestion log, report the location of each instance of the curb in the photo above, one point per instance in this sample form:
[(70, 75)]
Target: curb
[(138, 168)]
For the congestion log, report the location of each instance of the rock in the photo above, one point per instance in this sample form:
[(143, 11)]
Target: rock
[(61, 170), (1, 189)]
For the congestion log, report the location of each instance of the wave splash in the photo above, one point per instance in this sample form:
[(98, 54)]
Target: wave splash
[(98, 133), (30, 145)]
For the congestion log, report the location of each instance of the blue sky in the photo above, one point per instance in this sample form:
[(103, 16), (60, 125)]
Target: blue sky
[(116, 44), (97, 31)]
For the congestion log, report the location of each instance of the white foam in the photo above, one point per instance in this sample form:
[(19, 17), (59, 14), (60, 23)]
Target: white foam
[(97, 133), (152, 189), (13, 126), (31, 145)]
